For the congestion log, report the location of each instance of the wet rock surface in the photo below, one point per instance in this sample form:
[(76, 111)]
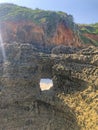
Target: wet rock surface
[(70, 105)]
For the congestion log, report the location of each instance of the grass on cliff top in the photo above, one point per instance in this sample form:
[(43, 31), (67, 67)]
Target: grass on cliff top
[(16, 13)]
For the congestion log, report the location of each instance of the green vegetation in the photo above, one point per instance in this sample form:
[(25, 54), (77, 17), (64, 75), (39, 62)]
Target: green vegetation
[(91, 29)]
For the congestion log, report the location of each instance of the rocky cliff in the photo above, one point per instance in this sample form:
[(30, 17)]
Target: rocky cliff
[(38, 27), (70, 105), (44, 29), (29, 32)]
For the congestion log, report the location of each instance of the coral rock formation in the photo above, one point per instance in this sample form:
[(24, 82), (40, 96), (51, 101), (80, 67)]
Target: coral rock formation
[(70, 105)]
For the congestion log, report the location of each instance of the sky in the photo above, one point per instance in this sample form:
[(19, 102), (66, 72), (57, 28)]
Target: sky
[(83, 11)]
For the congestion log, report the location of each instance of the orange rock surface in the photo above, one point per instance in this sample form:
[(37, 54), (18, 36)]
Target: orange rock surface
[(29, 32)]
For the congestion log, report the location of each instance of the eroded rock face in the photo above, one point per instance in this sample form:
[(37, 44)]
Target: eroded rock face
[(67, 106), (21, 32), (29, 32)]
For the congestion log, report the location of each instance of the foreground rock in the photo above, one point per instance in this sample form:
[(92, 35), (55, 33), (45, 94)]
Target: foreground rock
[(70, 105)]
